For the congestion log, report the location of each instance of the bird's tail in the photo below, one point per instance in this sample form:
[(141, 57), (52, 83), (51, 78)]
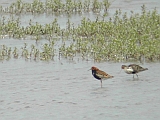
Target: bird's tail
[(111, 76), (108, 76), (143, 69)]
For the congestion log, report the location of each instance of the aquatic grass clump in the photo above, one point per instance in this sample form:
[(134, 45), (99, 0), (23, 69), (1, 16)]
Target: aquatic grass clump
[(45, 53), (5, 52), (122, 37), (55, 6), (11, 28)]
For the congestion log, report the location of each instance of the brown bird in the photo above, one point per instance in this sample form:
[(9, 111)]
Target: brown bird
[(133, 69), (98, 74)]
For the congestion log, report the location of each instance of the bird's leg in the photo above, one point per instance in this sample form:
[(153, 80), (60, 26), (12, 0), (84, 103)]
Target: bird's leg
[(101, 83), (133, 75), (137, 75)]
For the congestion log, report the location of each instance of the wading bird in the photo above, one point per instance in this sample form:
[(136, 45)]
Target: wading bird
[(133, 69), (100, 75)]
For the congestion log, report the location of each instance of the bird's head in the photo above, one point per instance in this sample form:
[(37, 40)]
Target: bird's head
[(94, 68), (123, 66)]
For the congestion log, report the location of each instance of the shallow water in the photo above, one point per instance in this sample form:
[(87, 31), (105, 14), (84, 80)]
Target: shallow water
[(47, 91), (65, 89)]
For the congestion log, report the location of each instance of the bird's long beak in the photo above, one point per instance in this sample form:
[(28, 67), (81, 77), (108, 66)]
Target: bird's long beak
[(89, 69)]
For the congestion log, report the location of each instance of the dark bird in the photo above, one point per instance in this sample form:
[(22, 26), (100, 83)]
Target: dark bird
[(100, 75), (133, 69)]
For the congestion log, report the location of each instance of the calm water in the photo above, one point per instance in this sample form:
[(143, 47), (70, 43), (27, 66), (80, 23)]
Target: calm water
[(66, 90), (47, 91)]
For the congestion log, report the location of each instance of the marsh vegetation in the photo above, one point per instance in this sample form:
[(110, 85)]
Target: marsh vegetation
[(122, 37)]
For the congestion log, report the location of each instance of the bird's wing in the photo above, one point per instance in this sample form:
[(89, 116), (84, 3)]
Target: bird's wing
[(102, 74), (136, 68)]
